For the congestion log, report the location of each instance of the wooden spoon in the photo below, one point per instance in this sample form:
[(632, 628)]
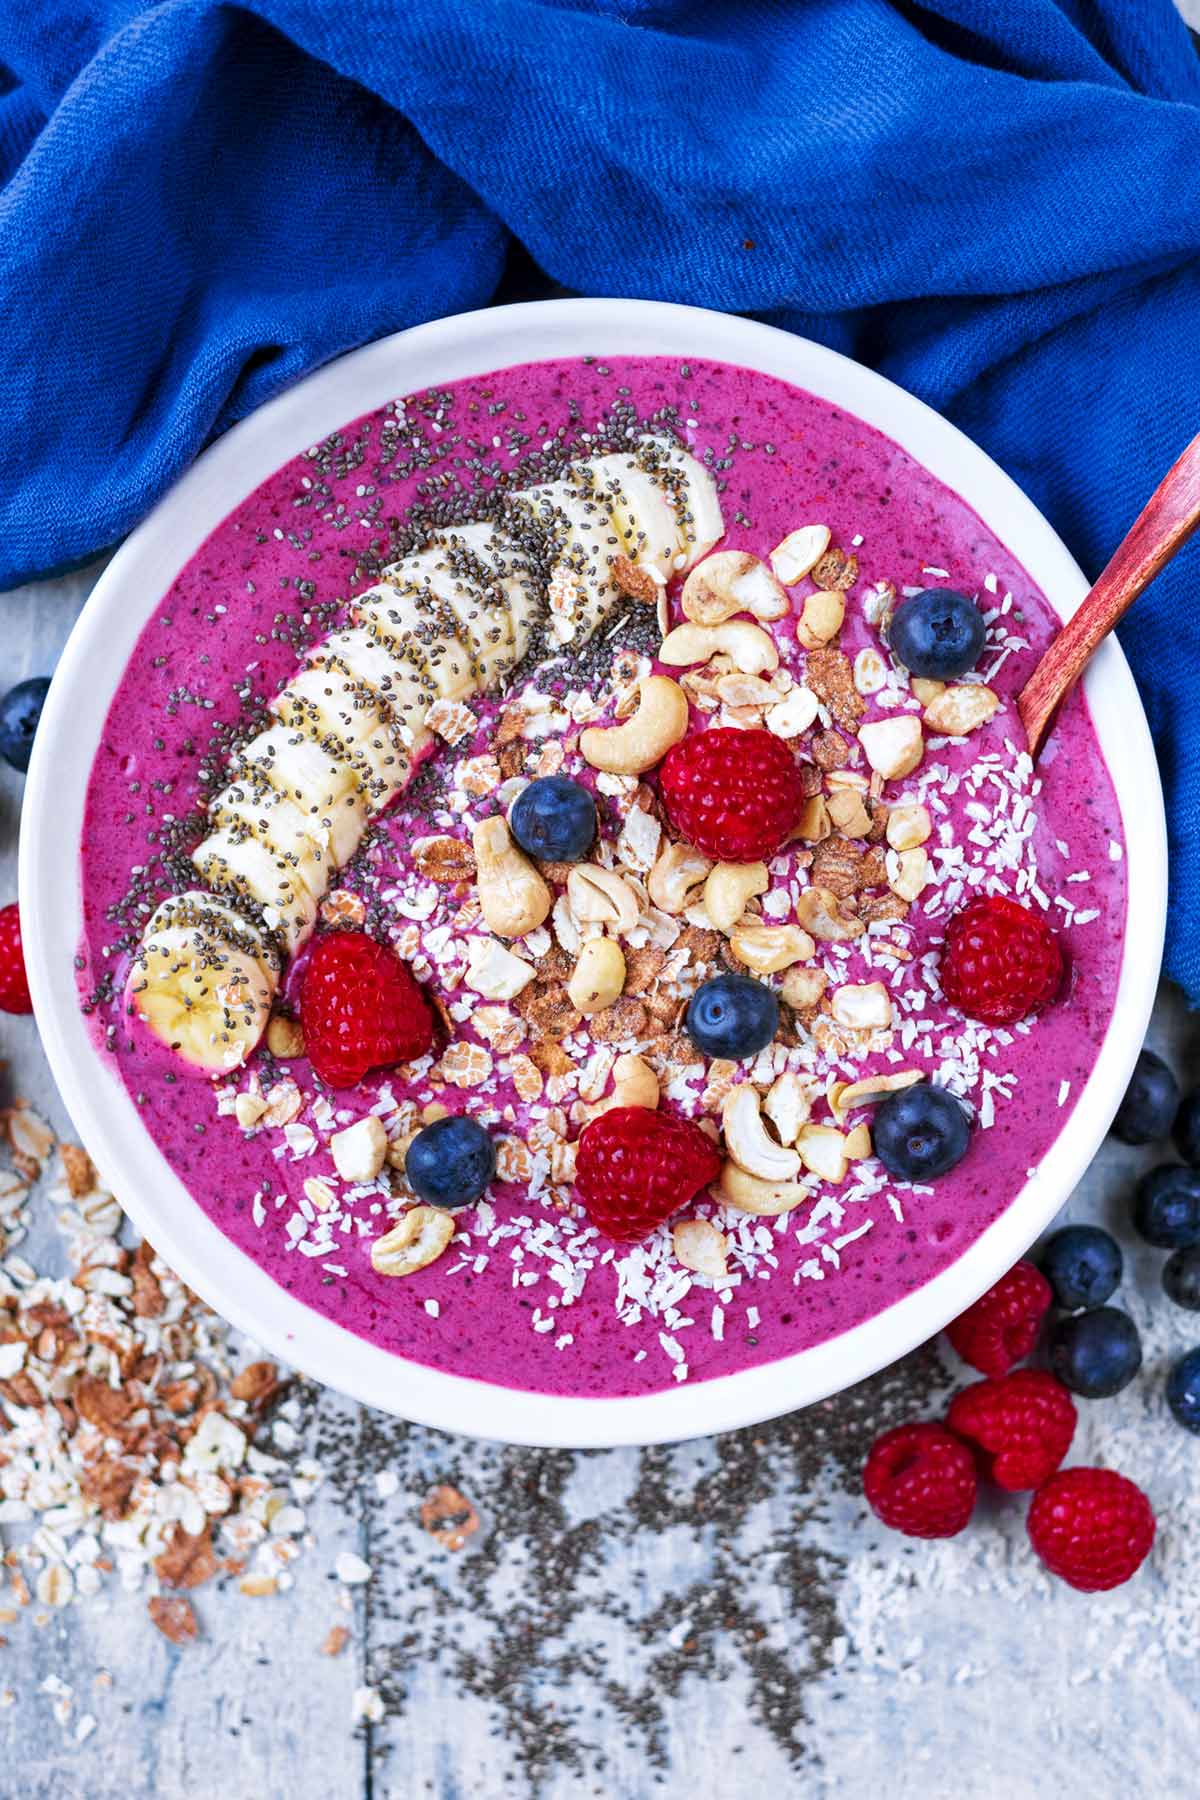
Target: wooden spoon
[(1163, 526)]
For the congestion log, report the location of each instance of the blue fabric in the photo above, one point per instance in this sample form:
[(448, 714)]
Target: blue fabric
[(997, 205)]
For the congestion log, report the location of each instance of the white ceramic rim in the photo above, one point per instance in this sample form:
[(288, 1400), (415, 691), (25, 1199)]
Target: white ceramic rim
[(97, 653)]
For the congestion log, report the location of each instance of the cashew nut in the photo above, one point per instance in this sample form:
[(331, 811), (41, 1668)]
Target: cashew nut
[(768, 948), (602, 897), (799, 552), (908, 826), (700, 1247), (814, 824), (845, 1096), (803, 988), (821, 619), (747, 1141), (731, 582), (819, 911), (598, 977), (926, 689), (729, 887), (865, 1007), (416, 1239), (792, 715), (911, 874), (787, 1105), (493, 970), (894, 746), (675, 876), (661, 720), (634, 1084), (822, 1150), (848, 813), (870, 670), (961, 709), (751, 649), (512, 895), (750, 1194)]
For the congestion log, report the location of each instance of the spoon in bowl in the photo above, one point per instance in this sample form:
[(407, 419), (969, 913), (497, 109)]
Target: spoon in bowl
[(1163, 526)]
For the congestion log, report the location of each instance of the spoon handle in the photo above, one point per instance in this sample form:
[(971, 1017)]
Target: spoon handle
[(1163, 526)]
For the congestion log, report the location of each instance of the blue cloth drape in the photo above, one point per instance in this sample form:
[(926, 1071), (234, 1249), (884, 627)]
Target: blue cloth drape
[(996, 204)]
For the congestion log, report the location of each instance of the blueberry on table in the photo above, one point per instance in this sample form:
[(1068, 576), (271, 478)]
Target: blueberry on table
[(554, 818), (937, 634), (1095, 1353), (1187, 1128), (450, 1162), (1181, 1278), (732, 1016), (1166, 1207), (1083, 1265), (20, 710), (1183, 1391), (921, 1132), (1146, 1113)]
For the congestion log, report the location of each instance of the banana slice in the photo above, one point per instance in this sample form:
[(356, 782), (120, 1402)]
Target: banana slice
[(331, 710), (231, 859), (278, 823), (644, 516), (581, 542), (691, 490), (325, 787), (404, 693), (203, 993), (421, 628), (452, 580)]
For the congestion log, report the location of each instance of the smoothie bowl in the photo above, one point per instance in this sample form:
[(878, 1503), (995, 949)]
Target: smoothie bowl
[(543, 914)]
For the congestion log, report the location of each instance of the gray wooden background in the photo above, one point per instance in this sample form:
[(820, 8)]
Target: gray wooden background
[(717, 1619)]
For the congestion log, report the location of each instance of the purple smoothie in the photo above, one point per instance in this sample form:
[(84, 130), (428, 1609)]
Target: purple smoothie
[(527, 1294)]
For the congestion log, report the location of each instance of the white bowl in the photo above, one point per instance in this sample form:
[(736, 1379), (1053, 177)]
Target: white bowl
[(99, 648)]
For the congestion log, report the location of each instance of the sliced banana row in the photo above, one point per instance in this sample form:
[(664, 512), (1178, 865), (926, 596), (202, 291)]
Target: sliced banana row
[(447, 622)]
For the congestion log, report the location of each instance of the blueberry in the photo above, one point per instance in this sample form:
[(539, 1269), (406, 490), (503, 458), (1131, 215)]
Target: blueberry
[(450, 1162), (554, 818), (1183, 1391), (1187, 1128), (732, 1016), (1145, 1114), (1095, 1353), (1181, 1278), (20, 710), (1083, 1265), (938, 633), (921, 1132), (1166, 1207)]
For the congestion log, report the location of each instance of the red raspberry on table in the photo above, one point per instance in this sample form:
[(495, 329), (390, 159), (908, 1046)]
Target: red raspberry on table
[(1002, 1327), (920, 1479), (1091, 1527), (1023, 1423), (14, 983), (735, 795), (636, 1167), (1000, 961), (360, 1009)]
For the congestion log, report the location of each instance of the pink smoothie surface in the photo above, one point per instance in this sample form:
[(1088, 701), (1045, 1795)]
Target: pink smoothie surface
[(529, 1295)]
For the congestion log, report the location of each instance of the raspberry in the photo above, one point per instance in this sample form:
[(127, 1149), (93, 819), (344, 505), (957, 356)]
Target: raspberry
[(735, 795), (1091, 1527), (360, 1009), (636, 1167), (920, 1479), (1002, 1327), (14, 983), (1000, 961), (1023, 1423)]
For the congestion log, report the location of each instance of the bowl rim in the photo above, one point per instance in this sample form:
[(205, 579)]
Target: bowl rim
[(96, 655)]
